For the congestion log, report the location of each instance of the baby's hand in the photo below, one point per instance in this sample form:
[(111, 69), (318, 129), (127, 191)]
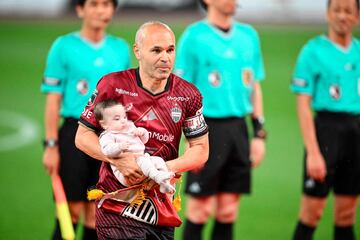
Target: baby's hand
[(124, 146), (138, 132)]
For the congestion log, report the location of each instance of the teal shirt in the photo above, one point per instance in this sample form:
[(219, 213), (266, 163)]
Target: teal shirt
[(330, 75), (75, 65), (223, 66)]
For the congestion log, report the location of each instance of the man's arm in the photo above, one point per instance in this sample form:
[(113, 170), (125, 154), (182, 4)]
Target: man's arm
[(87, 141), (51, 156), (195, 155), (315, 163), (257, 147)]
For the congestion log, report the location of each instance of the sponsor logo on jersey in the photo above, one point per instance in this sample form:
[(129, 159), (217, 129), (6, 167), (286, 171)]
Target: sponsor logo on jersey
[(162, 137), (247, 76), (82, 86), (125, 92), (146, 212), (92, 98), (176, 114), (51, 81), (178, 99), (214, 78), (335, 91)]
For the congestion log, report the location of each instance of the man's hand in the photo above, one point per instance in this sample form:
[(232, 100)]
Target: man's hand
[(257, 151), (126, 164), (51, 160), (316, 167)]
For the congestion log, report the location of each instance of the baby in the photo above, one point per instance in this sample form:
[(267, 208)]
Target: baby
[(121, 135)]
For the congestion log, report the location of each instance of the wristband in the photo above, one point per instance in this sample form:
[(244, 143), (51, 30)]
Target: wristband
[(258, 127), (50, 143)]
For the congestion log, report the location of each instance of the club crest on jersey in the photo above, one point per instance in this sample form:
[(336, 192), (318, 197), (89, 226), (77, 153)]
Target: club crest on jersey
[(335, 91), (92, 98), (176, 114), (247, 76), (82, 86), (214, 78)]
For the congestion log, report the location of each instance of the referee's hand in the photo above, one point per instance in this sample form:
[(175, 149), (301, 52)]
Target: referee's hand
[(257, 151), (127, 165), (316, 166)]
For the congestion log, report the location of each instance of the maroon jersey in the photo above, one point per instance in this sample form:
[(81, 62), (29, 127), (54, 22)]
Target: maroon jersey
[(165, 115)]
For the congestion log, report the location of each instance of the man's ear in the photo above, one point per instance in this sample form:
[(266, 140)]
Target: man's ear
[(79, 11), (136, 51)]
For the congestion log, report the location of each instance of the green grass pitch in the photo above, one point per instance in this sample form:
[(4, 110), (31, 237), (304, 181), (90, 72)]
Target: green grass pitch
[(27, 209)]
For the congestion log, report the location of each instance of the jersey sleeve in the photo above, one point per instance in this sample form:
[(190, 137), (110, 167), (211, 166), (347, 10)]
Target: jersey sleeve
[(303, 80), (259, 72), (55, 70), (194, 124), (185, 63), (100, 93)]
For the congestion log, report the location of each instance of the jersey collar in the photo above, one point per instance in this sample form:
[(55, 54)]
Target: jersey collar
[(139, 83)]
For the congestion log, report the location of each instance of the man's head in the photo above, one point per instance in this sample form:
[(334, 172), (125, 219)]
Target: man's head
[(96, 13), (154, 48), (225, 7), (342, 16), (111, 115)]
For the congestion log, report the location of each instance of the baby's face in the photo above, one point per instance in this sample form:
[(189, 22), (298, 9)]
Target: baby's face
[(115, 118)]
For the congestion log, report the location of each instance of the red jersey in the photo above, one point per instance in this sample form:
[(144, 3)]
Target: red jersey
[(165, 115)]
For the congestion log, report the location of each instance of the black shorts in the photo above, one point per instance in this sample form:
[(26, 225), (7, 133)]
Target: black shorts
[(78, 171), (228, 168), (338, 135)]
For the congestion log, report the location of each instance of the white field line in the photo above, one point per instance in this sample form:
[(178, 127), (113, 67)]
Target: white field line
[(24, 130)]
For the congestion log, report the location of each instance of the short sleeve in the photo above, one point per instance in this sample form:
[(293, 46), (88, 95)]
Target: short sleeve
[(259, 72), (194, 124), (185, 63), (100, 93), (303, 81), (55, 69)]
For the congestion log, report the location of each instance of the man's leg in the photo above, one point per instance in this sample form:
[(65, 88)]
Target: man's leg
[(198, 211), (311, 211), (226, 215), (344, 214)]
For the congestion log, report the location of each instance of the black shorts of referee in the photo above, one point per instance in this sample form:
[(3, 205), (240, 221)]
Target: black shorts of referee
[(338, 135), (228, 168), (78, 171)]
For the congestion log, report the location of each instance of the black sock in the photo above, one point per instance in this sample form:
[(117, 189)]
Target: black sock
[(57, 231), (303, 232), (192, 231), (89, 233), (222, 231), (344, 233)]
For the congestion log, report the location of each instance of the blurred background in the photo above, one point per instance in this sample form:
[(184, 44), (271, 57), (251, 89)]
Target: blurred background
[(27, 30)]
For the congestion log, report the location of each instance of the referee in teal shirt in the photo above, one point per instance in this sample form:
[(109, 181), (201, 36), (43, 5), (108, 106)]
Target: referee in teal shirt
[(75, 63), (223, 58), (327, 80)]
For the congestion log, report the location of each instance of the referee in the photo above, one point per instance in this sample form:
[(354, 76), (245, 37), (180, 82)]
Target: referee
[(222, 57), (75, 63), (327, 80)]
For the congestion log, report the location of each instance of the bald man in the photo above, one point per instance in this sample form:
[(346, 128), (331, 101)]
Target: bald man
[(166, 106)]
